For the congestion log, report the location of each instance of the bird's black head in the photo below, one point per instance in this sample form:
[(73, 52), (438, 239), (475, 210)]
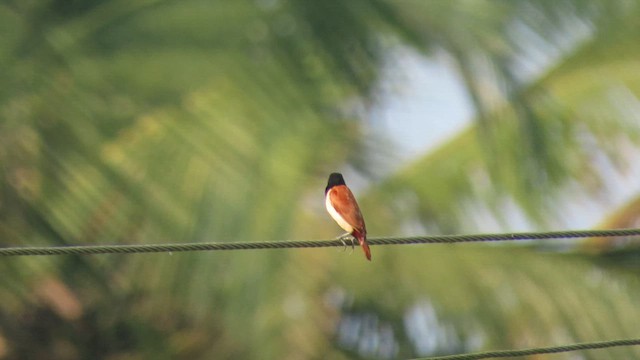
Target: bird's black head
[(335, 179)]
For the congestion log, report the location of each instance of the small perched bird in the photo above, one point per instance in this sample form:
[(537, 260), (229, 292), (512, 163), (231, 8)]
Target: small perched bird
[(344, 209)]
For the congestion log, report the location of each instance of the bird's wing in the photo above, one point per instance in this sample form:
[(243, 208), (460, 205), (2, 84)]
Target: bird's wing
[(345, 204)]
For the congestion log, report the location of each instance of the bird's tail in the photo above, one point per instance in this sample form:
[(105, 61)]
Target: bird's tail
[(362, 239)]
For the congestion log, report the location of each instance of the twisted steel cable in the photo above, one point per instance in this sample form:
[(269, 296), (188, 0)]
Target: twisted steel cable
[(211, 246), (537, 351)]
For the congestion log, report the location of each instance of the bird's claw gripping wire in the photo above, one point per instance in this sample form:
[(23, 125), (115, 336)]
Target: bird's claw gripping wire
[(344, 242)]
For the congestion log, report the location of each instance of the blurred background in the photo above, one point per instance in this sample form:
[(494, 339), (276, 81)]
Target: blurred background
[(156, 121)]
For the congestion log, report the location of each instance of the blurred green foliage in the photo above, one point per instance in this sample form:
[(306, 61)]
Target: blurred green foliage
[(165, 121)]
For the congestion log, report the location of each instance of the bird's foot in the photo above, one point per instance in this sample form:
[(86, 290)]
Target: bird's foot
[(343, 239)]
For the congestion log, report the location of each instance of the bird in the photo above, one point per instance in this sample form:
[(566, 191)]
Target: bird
[(343, 208)]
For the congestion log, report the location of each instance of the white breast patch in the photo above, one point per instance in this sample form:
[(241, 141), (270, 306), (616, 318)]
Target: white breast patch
[(334, 214)]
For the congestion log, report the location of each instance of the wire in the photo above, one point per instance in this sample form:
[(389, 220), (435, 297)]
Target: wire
[(209, 246), (535, 351)]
